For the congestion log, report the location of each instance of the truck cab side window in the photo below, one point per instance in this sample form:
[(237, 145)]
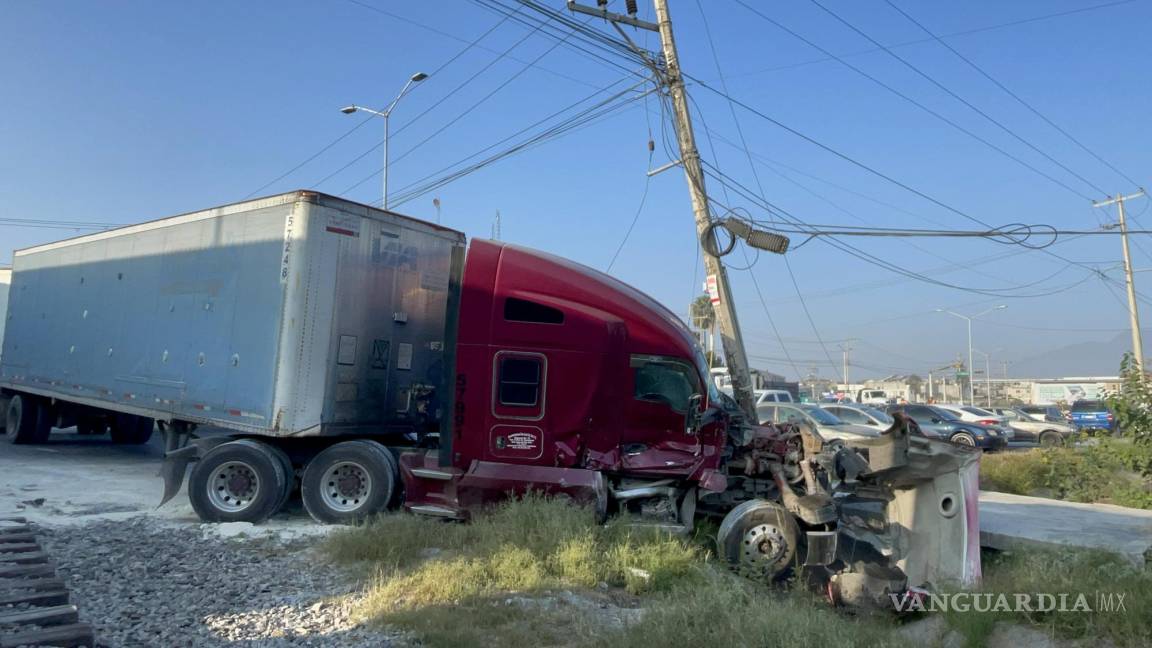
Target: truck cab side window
[(663, 381), (519, 381)]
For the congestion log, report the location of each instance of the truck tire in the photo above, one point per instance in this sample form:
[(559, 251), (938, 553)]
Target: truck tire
[(129, 429), (289, 475), (238, 481), (760, 539), (27, 420), (348, 482), (89, 424)]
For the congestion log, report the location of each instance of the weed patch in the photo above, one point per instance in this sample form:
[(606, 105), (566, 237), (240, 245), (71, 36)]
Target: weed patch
[(1102, 473), (1070, 573)]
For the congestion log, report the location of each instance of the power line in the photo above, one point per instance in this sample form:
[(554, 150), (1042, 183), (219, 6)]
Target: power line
[(916, 103), (570, 124), (469, 45), (865, 167), (467, 111), (1015, 96), (451, 93), (965, 32), (461, 39), (962, 100), (755, 175)]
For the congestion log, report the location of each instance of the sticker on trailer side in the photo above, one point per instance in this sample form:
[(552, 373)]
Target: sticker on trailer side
[(289, 223), (343, 224)]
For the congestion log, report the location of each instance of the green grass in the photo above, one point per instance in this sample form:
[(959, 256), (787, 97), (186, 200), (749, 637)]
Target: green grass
[(726, 610), (539, 572), (1070, 572), (1095, 474)]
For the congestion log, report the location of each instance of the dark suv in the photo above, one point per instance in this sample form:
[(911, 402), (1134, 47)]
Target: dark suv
[(936, 423)]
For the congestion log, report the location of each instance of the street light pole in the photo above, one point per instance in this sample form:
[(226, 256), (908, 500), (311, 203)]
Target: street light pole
[(385, 114), (969, 318), (987, 377)]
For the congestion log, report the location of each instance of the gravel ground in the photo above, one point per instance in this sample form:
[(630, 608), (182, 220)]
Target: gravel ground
[(142, 582)]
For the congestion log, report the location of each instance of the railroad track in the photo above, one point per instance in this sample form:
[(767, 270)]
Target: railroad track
[(34, 602)]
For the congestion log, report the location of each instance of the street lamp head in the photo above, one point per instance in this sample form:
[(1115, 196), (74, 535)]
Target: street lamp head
[(348, 110), (418, 77), (1001, 307)]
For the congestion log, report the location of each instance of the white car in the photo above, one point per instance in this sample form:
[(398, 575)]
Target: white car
[(972, 414), (773, 396), (766, 395), (828, 426), (860, 415)]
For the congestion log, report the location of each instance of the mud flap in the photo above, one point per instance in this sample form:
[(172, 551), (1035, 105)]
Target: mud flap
[(821, 548), (173, 469)]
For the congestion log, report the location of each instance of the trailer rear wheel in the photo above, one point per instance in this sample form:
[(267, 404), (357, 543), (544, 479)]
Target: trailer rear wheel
[(238, 481), (27, 421), (759, 539), (129, 429), (289, 475), (348, 482)]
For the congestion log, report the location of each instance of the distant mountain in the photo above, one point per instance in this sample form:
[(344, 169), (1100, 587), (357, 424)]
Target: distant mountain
[(1079, 359)]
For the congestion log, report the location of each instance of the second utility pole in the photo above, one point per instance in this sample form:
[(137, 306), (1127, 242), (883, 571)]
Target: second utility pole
[(1133, 312)]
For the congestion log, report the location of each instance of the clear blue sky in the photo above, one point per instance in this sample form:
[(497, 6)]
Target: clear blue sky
[(124, 111)]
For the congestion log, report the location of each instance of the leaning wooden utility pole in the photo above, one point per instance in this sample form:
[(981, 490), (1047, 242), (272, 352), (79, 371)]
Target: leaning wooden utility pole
[(730, 338), (1133, 312), (719, 289)]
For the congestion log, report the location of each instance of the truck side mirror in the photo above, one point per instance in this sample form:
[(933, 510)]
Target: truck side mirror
[(692, 416)]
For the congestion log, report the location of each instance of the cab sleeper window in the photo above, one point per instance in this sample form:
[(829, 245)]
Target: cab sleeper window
[(519, 381), (664, 380), (522, 310)]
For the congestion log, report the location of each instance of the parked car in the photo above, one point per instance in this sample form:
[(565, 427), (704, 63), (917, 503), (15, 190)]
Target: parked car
[(940, 424), (1047, 433), (773, 396), (860, 415), (1092, 415), (828, 426), (980, 416), (1044, 413), (872, 396)]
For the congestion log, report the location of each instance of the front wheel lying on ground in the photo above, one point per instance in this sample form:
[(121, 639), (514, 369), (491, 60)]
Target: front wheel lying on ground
[(759, 539), (348, 482), (238, 481)]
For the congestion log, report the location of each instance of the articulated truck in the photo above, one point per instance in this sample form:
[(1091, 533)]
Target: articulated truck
[(371, 361)]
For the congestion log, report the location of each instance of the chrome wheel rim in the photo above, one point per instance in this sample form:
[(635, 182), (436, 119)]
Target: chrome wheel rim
[(345, 486), (762, 548), (233, 487), (965, 441)]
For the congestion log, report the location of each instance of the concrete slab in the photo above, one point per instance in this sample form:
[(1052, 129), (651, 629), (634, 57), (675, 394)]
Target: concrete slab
[(1015, 522)]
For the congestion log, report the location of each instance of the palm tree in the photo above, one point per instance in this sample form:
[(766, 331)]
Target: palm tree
[(704, 319)]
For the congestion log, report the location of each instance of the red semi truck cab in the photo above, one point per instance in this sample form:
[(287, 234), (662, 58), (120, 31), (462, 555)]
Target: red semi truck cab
[(562, 374)]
